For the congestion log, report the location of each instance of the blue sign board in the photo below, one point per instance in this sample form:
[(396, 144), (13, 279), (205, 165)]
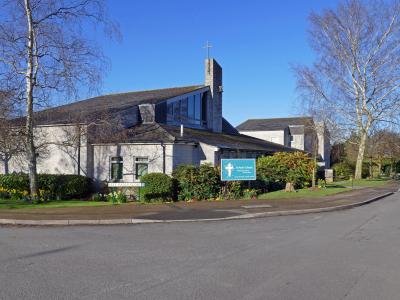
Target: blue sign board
[(238, 169)]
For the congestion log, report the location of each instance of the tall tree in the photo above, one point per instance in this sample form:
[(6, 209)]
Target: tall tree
[(355, 78), (383, 145), (11, 144), (47, 52)]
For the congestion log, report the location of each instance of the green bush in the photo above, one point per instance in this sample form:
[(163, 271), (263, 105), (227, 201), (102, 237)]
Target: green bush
[(15, 181), (185, 178), (157, 187), (51, 186), (343, 170), (197, 183), (232, 190), (285, 167)]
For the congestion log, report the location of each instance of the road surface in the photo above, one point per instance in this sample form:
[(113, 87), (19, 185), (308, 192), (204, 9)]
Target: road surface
[(352, 254)]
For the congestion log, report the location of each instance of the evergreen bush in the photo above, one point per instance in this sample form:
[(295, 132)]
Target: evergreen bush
[(51, 186), (282, 168), (157, 187), (197, 183), (343, 170)]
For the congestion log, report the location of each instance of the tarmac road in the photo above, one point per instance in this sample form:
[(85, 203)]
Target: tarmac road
[(352, 254)]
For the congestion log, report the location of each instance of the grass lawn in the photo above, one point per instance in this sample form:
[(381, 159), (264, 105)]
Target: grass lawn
[(363, 182), (12, 204), (331, 189), (305, 193)]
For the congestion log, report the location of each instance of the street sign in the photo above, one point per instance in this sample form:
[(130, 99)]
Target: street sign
[(238, 169)]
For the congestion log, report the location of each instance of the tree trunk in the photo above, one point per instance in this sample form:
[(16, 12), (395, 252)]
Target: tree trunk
[(371, 173), (314, 172), (379, 167), (360, 156), (29, 78), (392, 162), (313, 184), (6, 167), (289, 187)]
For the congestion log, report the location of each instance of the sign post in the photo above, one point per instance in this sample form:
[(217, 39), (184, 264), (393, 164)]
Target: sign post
[(238, 169)]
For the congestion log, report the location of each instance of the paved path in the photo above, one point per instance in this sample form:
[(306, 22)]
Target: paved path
[(352, 254), (197, 210)]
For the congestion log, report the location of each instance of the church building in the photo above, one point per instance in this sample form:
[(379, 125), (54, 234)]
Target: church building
[(121, 137)]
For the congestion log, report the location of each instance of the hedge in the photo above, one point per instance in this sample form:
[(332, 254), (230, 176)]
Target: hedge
[(56, 186), (197, 182), (157, 187), (285, 167)]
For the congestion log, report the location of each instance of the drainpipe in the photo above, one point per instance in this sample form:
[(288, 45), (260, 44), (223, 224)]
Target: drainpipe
[(163, 155), (79, 150)]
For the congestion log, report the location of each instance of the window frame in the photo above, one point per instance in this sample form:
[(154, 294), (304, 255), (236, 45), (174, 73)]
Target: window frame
[(116, 160), (136, 163), (190, 110)]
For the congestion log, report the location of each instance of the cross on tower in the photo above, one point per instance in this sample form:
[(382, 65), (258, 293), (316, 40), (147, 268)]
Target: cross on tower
[(208, 46)]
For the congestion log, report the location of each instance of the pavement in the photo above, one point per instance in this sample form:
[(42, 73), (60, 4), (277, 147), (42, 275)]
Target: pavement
[(134, 213), (349, 254)]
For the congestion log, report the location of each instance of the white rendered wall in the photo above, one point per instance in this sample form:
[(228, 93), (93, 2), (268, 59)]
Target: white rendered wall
[(185, 154), (128, 152), (59, 154), (274, 136), (298, 141)]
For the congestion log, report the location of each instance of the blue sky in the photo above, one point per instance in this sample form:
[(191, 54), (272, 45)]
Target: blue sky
[(255, 42)]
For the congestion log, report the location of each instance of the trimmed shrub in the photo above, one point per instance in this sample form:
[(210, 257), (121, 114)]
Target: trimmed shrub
[(73, 186), (15, 181), (208, 182), (285, 167), (185, 178), (343, 170), (51, 186), (157, 187), (197, 183)]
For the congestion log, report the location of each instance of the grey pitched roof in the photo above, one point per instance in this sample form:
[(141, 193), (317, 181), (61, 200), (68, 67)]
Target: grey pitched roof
[(228, 127), (273, 124), (91, 109), (169, 134)]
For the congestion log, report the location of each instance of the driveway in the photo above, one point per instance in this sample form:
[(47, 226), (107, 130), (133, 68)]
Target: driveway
[(352, 254)]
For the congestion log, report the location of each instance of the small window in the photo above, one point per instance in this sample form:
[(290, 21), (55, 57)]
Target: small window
[(184, 108), (197, 107), (116, 168), (292, 138), (141, 167), (170, 111), (204, 108), (177, 111), (191, 108)]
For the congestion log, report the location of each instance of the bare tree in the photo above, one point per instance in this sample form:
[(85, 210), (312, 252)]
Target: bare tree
[(355, 79), (383, 145), (11, 143), (79, 132), (47, 52)]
